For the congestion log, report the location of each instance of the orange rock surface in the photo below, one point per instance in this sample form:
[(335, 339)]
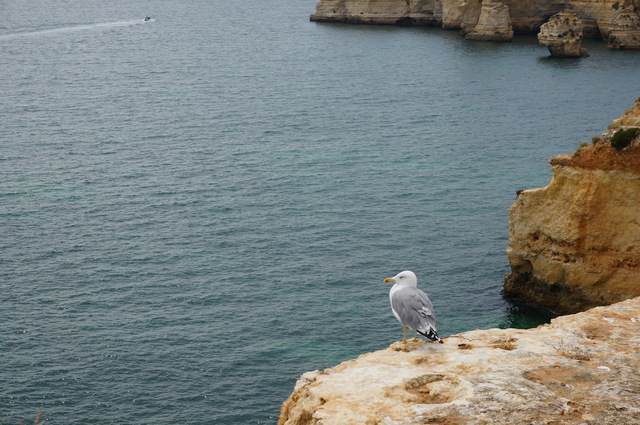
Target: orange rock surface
[(575, 243)]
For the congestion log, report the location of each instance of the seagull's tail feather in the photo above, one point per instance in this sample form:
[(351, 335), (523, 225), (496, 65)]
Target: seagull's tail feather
[(432, 335)]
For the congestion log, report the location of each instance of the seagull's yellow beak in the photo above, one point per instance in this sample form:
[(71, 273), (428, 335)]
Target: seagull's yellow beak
[(389, 279)]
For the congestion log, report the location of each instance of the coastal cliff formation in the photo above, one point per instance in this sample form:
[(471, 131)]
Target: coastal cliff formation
[(392, 12), (615, 21), (562, 35), (579, 369), (575, 244), (493, 24)]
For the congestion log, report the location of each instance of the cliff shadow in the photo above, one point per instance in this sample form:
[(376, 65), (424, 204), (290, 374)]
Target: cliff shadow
[(561, 63)]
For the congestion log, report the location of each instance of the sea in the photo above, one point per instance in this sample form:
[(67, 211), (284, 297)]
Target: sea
[(198, 208)]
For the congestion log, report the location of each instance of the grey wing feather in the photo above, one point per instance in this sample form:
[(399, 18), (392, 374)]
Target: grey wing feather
[(414, 309)]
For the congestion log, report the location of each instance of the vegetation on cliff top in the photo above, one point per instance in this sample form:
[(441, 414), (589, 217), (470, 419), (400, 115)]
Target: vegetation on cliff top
[(604, 155), (623, 137), (617, 149)]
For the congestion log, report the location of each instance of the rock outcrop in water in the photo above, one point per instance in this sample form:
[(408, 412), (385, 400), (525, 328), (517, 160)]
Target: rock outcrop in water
[(579, 369), (562, 35), (575, 244), (616, 21)]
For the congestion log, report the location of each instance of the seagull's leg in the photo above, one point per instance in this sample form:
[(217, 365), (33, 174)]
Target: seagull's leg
[(415, 336), (404, 334)]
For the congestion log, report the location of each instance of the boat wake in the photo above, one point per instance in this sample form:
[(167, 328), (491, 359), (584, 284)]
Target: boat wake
[(76, 28)]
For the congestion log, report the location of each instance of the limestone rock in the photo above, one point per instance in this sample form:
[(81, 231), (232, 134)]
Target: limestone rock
[(562, 35), (461, 14), (619, 24), (631, 118), (576, 243), (404, 12), (625, 31), (493, 24), (579, 369), (613, 20)]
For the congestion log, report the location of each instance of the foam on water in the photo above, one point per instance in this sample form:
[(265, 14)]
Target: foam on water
[(74, 28)]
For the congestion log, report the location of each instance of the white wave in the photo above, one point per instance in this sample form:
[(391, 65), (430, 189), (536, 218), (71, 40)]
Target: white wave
[(75, 28)]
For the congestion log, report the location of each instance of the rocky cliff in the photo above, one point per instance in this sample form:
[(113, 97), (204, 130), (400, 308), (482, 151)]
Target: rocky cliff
[(575, 244), (494, 23), (572, 245), (562, 34), (616, 21), (579, 369)]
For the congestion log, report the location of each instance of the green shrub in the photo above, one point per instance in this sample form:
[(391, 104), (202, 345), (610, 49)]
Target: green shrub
[(623, 137)]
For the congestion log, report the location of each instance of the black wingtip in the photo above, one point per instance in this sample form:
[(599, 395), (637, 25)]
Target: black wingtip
[(432, 335)]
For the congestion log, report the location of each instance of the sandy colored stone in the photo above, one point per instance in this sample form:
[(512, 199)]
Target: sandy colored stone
[(493, 24), (619, 25), (562, 35), (405, 12), (579, 369), (600, 18), (631, 118), (575, 243)]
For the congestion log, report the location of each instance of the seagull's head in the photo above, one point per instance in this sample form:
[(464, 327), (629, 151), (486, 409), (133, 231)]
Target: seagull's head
[(406, 277)]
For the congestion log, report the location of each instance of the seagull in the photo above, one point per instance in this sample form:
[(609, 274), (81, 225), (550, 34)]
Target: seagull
[(412, 307)]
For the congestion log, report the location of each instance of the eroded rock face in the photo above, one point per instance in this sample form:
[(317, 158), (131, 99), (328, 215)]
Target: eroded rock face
[(579, 369), (493, 24), (619, 24), (624, 33), (562, 35), (600, 18), (576, 243), (404, 12)]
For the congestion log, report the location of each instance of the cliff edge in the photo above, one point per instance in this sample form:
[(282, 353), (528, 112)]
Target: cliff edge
[(572, 245), (579, 369), (575, 243), (615, 21)]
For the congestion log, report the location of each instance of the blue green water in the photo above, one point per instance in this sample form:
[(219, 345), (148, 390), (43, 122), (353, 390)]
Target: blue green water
[(197, 209)]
